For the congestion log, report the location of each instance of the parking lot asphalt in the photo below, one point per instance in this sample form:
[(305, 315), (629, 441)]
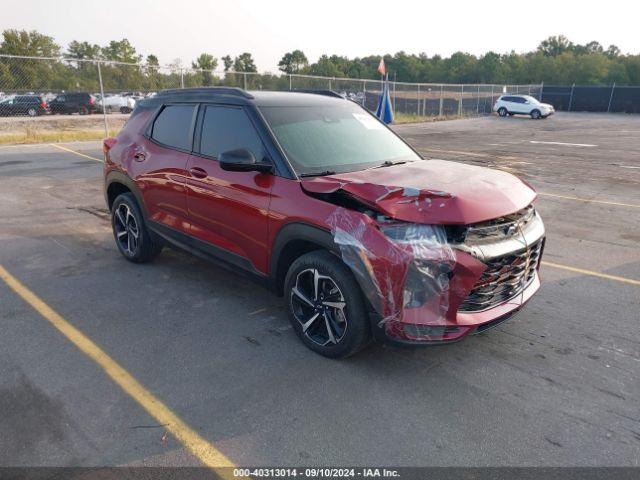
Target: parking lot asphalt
[(556, 386)]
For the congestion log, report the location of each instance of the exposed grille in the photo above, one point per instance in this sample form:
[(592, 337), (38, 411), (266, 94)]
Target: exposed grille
[(505, 278), (502, 227)]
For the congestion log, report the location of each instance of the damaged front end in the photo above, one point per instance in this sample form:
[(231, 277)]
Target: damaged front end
[(435, 283)]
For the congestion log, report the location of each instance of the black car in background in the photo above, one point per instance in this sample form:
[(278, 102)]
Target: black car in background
[(75, 102), (31, 105)]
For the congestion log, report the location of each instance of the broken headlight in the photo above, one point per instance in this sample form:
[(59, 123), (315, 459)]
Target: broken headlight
[(429, 270)]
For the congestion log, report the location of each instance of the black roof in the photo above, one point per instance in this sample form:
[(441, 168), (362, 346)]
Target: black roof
[(237, 96)]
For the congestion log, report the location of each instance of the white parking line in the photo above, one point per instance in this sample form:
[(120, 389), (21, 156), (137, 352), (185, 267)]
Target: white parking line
[(567, 144)]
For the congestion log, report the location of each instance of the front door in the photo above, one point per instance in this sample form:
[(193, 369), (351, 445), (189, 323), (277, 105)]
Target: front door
[(228, 211)]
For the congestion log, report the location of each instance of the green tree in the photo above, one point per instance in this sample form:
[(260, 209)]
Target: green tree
[(555, 45), (293, 62), (83, 50), (27, 74), (244, 63), (207, 63), (32, 44), (227, 62), (121, 51)]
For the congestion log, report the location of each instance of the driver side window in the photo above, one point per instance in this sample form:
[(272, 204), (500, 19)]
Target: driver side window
[(229, 128)]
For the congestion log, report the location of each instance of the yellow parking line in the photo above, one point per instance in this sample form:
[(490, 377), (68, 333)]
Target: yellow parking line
[(630, 281), (77, 153), (203, 450), (605, 202)]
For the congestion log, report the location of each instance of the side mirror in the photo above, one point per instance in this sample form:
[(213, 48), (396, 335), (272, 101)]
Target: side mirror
[(242, 160)]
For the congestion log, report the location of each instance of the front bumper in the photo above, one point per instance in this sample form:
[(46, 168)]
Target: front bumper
[(408, 332), (489, 283)]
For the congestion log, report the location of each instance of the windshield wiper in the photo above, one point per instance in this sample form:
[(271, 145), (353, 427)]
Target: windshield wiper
[(317, 174)]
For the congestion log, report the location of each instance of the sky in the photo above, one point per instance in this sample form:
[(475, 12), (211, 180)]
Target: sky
[(184, 29)]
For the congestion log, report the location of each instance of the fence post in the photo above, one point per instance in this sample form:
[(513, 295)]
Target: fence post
[(104, 111), (441, 100), (460, 102), (244, 80), (491, 101), (571, 97), (364, 93), (290, 83), (418, 99), (541, 90), (478, 104), (613, 87), (182, 78)]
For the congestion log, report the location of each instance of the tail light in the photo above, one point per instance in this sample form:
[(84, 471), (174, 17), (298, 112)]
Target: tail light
[(43, 104), (108, 144), (91, 101)]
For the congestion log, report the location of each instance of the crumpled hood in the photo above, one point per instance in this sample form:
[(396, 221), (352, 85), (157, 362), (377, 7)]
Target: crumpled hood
[(431, 191)]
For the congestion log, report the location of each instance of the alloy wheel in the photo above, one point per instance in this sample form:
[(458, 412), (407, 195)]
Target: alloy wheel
[(31, 112), (126, 228), (319, 306)]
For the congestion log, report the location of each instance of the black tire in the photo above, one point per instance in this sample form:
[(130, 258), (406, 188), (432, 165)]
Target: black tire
[(83, 110), (503, 112), (511, 114), (535, 114), (349, 325), (125, 110), (142, 248), (32, 112)]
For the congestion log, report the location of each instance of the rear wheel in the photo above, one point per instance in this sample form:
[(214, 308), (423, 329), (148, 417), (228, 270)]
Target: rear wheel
[(83, 110), (535, 114), (325, 304), (503, 112), (32, 112), (133, 239)]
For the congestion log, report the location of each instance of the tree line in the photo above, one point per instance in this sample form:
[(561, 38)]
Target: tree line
[(557, 60)]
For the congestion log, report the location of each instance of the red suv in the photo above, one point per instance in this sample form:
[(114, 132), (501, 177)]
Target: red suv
[(313, 197)]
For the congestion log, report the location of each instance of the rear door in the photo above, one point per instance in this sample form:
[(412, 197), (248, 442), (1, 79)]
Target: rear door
[(158, 163), (229, 210), (519, 105)]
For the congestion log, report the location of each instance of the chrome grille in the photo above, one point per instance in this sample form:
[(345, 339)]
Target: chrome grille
[(505, 278)]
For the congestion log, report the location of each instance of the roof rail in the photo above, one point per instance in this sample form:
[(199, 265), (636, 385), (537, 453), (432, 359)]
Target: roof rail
[(326, 93), (215, 90)]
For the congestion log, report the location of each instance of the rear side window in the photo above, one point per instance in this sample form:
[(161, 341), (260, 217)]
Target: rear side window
[(172, 126), (229, 128)]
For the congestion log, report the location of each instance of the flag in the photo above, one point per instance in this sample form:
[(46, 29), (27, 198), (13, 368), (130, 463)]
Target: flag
[(385, 111), (381, 68)]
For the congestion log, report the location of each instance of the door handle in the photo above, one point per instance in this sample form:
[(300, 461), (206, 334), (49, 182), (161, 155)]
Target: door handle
[(198, 172)]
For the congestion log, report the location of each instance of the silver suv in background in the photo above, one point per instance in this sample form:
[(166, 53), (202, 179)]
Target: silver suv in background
[(523, 105)]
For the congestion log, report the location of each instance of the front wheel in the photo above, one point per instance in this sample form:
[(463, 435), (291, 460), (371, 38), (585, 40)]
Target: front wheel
[(503, 112), (535, 114), (133, 239), (32, 112), (325, 305)]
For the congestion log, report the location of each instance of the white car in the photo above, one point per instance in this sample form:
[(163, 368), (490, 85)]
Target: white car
[(117, 103), (524, 105)]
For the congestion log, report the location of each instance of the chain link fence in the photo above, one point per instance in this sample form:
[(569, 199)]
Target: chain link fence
[(38, 86)]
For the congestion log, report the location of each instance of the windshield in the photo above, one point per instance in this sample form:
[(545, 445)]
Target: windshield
[(336, 138)]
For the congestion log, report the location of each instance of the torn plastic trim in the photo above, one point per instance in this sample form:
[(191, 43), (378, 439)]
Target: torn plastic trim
[(398, 265)]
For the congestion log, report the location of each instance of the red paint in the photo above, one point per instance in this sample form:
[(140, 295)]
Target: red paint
[(242, 213)]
